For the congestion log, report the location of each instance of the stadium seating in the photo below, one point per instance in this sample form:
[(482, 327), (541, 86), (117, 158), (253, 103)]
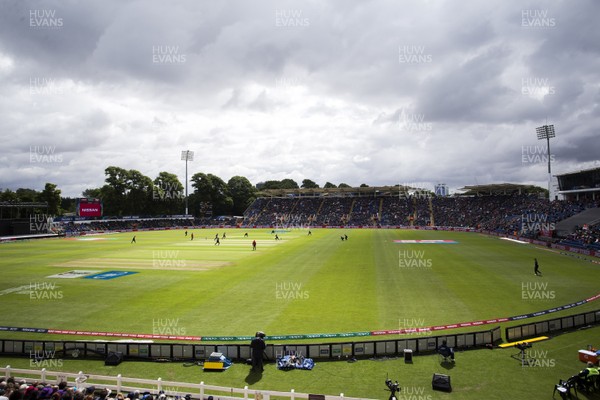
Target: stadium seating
[(502, 214)]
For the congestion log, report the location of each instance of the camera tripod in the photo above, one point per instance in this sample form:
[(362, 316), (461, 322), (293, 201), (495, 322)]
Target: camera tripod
[(393, 387), (522, 355)]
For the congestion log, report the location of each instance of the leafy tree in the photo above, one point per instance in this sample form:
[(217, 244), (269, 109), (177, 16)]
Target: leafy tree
[(270, 185), (289, 184), (112, 203), (26, 194), (68, 204), (329, 185), (114, 193), (139, 198), (168, 194), (364, 185), (51, 195), (127, 192), (212, 189), (8, 195), (95, 193), (309, 184), (242, 193), (344, 185), (116, 178)]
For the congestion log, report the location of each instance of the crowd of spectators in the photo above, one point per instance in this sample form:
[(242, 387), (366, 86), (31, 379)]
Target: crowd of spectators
[(281, 212), (334, 211), (364, 212), (586, 236), (396, 211), (510, 214), (422, 213), (523, 215), (82, 227), (274, 210), (11, 389)]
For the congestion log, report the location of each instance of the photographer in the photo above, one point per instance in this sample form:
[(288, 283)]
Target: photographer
[(258, 347)]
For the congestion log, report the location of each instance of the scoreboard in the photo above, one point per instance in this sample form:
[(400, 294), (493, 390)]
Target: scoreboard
[(89, 207)]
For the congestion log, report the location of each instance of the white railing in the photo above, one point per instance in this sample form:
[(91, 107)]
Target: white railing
[(122, 384)]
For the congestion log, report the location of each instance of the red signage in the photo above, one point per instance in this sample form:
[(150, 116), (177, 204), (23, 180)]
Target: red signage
[(89, 208)]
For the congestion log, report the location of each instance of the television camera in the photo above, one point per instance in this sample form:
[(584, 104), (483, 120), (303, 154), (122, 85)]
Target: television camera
[(393, 387), (522, 355)]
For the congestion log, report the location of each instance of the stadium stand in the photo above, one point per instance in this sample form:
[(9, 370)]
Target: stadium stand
[(501, 214), (497, 213)]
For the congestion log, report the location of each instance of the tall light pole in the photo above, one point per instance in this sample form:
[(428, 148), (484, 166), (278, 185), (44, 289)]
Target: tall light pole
[(546, 132), (186, 155)]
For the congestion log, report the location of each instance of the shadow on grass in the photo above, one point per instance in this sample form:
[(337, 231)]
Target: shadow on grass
[(253, 377), (447, 365)]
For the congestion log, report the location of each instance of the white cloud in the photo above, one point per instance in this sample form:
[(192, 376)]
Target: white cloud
[(329, 100)]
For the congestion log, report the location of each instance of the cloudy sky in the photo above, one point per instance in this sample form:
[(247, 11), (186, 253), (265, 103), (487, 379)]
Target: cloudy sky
[(376, 92)]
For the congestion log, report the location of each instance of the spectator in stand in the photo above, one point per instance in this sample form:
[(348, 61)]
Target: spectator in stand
[(4, 390)]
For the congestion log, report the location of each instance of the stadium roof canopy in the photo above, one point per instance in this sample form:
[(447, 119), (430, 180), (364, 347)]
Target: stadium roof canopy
[(580, 182), (374, 191), (501, 188), (583, 171)]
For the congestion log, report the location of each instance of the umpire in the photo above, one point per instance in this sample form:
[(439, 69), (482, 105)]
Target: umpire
[(258, 347)]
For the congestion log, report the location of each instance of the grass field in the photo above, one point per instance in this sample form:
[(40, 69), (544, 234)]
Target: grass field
[(299, 284)]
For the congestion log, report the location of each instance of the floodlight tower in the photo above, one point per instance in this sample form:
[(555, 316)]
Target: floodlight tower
[(186, 155), (546, 132)]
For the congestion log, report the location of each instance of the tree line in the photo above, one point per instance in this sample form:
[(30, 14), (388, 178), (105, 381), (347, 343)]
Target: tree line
[(129, 192)]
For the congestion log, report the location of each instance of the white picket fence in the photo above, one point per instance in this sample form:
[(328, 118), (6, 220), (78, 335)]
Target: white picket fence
[(172, 389)]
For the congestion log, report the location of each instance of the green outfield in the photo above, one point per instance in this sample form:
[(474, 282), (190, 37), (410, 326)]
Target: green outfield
[(298, 284), (166, 283)]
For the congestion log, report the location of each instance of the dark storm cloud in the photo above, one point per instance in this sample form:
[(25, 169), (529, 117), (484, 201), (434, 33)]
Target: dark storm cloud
[(378, 92)]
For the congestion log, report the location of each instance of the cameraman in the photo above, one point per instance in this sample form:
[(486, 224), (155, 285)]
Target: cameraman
[(258, 347)]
